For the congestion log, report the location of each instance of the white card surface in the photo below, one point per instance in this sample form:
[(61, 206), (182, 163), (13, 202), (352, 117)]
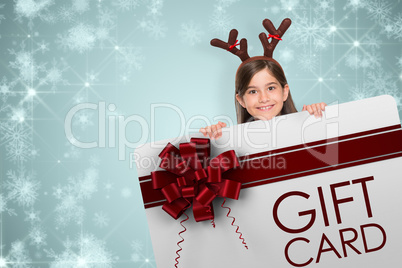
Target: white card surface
[(328, 195)]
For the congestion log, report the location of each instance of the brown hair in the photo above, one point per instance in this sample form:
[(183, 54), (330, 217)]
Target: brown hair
[(243, 77)]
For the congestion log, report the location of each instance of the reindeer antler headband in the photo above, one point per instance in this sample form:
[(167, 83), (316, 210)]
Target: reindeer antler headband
[(269, 47)]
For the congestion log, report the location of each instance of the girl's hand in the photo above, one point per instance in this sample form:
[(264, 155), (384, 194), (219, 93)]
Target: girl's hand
[(315, 108), (214, 131)]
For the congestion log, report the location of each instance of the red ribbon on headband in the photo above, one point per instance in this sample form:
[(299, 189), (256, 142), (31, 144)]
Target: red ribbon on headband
[(276, 36), (234, 45), (190, 177)]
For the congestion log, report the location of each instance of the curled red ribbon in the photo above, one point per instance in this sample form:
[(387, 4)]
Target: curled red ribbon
[(276, 36), (237, 226), (181, 241), (190, 177)]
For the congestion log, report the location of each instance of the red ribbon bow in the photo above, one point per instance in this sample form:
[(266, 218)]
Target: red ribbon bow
[(190, 177), (276, 36), (234, 45)]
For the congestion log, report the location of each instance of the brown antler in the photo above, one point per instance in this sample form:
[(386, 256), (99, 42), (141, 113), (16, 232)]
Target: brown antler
[(231, 45), (278, 33)]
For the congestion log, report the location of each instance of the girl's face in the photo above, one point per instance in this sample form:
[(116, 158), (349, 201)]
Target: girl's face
[(264, 96)]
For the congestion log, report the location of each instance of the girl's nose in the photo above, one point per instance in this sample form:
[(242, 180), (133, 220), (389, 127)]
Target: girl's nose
[(264, 97)]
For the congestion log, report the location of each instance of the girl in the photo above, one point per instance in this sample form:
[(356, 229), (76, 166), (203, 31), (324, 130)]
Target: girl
[(262, 91)]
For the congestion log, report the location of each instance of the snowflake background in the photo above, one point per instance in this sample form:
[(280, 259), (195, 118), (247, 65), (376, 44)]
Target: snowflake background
[(62, 205)]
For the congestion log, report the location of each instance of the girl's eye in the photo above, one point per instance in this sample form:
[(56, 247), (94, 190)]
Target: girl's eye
[(271, 88), (253, 91)]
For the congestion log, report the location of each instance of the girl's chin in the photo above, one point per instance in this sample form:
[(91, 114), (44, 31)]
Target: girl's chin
[(262, 117)]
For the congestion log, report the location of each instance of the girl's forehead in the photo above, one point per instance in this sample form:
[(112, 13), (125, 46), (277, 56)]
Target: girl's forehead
[(263, 75)]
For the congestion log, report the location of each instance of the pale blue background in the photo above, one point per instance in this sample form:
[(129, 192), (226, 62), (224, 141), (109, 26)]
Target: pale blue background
[(63, 206)]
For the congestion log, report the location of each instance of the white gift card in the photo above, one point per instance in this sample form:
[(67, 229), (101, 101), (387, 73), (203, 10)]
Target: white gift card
[(314, 192)]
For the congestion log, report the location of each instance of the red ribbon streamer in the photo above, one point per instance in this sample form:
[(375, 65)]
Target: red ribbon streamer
[(237, 226), (232, 46), (182, 240), (276, 36)]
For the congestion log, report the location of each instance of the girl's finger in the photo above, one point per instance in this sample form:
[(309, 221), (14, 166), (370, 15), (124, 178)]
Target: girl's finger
[(222, 124), (319, 110), (213, 131), (218, 133), (323, 104), (304, 108), (208, 131), (203, 131), (314, 107), (309, 109)]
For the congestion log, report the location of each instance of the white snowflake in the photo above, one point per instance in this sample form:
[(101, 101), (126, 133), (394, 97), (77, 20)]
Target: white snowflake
[(142, 24), (221, 23), (85, 184), (137, 245), (43, 46), (18, 114), (156, 29), (66, 14), (80, 5), (356, 60), (108, 186), (355, 4), (69, 209), (54, 75), (126, 5), (73, 152), (308, 62), (322, 7), (83, 118), (58, 191), (379, 10), (101, 219), (106, 18), (17, 138), (94, 160), (360, 92), (6, 89), (1, 15), (22, 187), (126, 192), (102, 35), (130, 59), (32, 9), (286, 55), (399, 62), (92, 76), (81, 38), (18, 256), (372, 41), (312, 33), (80, 187), (397, 27), (289, 4), (382, 82), (155, 8), (135, 257), (4, 208), (273, 9), (226, 3), (25, 63), (86, 251), (388, 28), (191, 33), (32, 216), (37, 236)]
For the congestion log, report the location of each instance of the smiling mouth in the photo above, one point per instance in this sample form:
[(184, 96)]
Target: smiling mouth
[(265, 108)]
